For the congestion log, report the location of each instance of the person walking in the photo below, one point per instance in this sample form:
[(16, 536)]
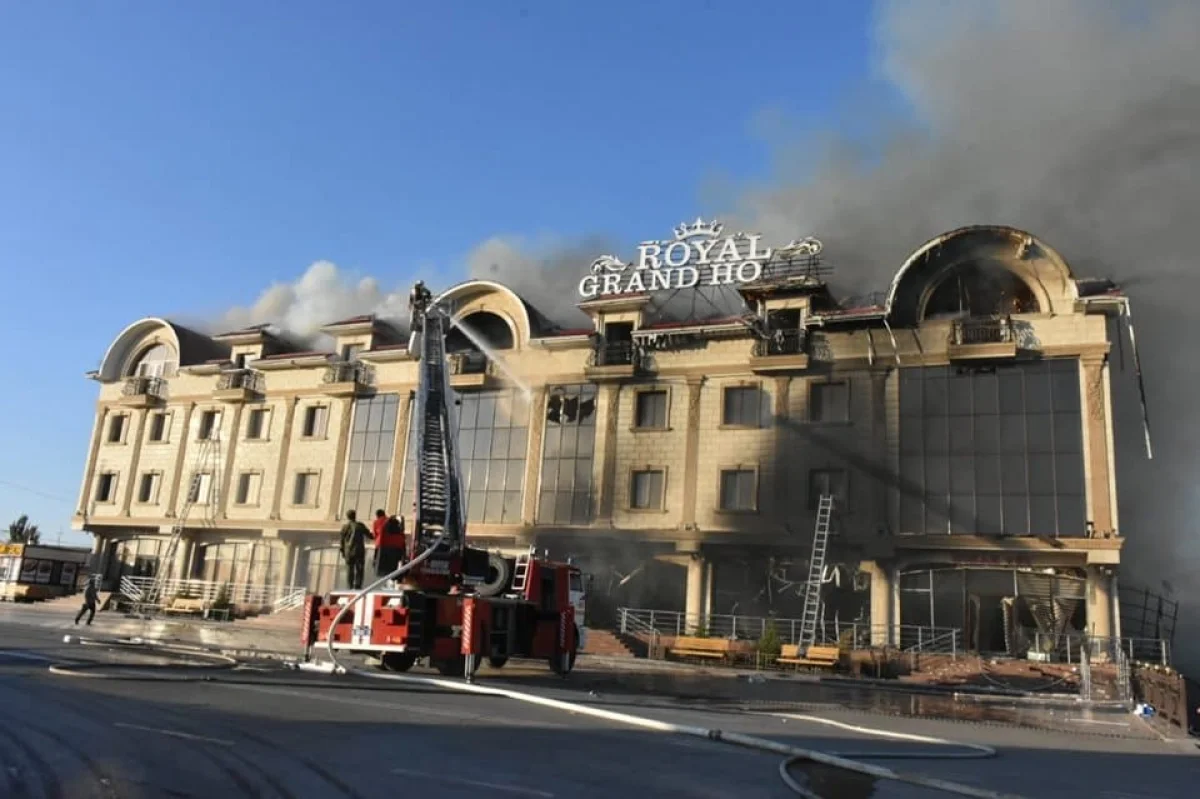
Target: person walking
[(91, 595), (354, 549)]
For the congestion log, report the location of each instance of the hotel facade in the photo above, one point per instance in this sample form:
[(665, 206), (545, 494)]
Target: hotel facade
[(963, 424)]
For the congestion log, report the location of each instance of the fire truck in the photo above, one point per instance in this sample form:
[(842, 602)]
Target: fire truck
[(459, 604)]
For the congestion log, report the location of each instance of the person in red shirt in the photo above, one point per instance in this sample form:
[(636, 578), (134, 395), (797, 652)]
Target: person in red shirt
[(389, 543)]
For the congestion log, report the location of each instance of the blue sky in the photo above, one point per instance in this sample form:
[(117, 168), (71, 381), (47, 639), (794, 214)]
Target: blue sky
[(178, 158)]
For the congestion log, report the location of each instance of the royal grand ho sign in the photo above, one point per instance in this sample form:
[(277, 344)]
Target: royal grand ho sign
[(697, 256)]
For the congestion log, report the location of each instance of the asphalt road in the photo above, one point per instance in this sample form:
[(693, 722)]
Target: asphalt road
[(274, 734)]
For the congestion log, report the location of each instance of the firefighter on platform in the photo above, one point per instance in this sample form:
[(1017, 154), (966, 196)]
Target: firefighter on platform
[(354, 549), (418, 300), (389, 543)]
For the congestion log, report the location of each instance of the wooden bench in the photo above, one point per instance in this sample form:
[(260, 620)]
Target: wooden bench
[(824, 656), (709, 648), (183, 605)]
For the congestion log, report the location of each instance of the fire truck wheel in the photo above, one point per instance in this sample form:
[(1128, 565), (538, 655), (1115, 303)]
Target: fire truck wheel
[(498, 661), (397, 661), (556, 664)]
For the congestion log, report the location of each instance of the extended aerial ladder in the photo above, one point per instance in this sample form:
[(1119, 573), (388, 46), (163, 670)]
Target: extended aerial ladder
[(455, 604)]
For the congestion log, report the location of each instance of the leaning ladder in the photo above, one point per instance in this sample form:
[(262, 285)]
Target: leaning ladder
[(209, 448), (816, 574)]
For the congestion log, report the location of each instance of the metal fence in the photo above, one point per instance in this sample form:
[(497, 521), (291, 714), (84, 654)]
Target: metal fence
[(1071, 648), (910, 638), (275, 597)]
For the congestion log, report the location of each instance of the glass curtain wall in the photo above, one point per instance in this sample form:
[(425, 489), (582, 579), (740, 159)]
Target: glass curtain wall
[(369, 457), (568, 451)]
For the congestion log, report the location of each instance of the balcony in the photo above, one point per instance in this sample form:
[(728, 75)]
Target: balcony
[(616, 360), (239, 385), (783, 351), (144, 392), (471, 369), (982, 339), (347, 378)]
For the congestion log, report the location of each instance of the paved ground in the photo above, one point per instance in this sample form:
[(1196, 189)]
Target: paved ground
[(287, 735)]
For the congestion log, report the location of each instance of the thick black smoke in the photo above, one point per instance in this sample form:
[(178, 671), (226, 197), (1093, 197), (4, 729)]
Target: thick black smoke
[(1079, 122)]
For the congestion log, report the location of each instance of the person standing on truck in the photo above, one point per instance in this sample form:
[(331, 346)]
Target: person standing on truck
[(354, 549), (389, 543)]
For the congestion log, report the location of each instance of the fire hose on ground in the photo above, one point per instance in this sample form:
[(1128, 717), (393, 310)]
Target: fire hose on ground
[(845, 761)]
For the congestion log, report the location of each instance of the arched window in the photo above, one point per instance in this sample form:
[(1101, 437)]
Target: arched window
[(980, 289), (157, 360), (487, 327)]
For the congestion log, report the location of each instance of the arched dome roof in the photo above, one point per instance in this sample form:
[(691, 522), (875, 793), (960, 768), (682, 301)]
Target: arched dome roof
[(1036, 264), (190, 347), (525, 321)]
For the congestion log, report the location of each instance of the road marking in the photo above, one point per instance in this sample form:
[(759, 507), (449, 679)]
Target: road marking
[(377, 705), (1098, 721), (9, 653), (491, 786), (172, 733)]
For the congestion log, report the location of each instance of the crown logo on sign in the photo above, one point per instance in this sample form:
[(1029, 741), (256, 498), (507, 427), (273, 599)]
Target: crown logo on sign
[(687, 230)]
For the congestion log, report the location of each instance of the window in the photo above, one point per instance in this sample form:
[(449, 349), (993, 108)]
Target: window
[(568, 453), (315, 417), (116, 429), (651, 412), (350, 352), (257, 424), (200, 489), (239, 360), (646, 489), (369, 457), (158, 427), (148, 488), (996, 451), (738, 489), (209, 422), (742, 406), (829, 402), (305, 490), (106, 487), (157, 360), (830, 482), (247, 488)]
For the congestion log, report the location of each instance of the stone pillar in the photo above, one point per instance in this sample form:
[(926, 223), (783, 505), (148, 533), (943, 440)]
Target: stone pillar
[(605, 460), (229, 455), (339, 469), (396, 481), (185, 554), (1100, 603), (1097, 436), (893, 631), (881, 602), (139, 425), (85, 495), (180, 455), (287, 564), (285, 447), (533, 455), (697, 591), (691, 452)]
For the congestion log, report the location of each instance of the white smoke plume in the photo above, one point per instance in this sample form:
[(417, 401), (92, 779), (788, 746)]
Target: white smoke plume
[(323, 294), (1079, 122)]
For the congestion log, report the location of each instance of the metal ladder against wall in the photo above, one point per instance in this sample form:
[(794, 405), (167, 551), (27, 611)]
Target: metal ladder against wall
[(816, 572), (210, 448)]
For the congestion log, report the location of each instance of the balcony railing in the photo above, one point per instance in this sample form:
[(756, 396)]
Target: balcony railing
[(470, 362), (246, 379), (349, 372), (154, 387), (967, 332), (617, 353), (782, 342)]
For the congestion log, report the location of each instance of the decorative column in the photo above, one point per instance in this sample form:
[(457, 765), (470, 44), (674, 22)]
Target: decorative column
[(691, 451), (399, 451), (533, 456), (180, 456), (286, 446), (85, 495), (339, 469), (229, 456)]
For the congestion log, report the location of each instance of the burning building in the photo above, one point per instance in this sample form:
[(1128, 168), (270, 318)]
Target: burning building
[(678, 446)]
